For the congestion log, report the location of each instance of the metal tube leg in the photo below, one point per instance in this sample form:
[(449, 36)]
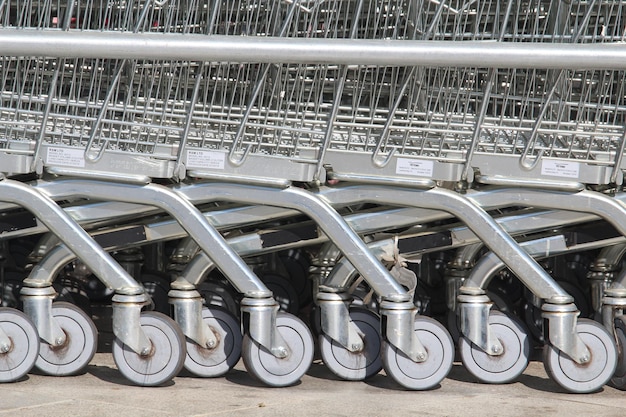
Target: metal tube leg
[(336, 323), (38, 306), (327, 219), (45, 244), (72, 235), (259, 316), (126, 324), (600, 281), (187, 304), (601, 275), (44, 272), (321, 267), (458, 270), (614, 301), (186, 214)]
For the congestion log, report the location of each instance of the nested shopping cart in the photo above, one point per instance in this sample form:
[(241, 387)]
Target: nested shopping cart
[(420, 105), (80, 143)]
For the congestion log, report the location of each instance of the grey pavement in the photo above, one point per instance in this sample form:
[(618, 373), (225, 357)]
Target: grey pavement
[(103, 392)]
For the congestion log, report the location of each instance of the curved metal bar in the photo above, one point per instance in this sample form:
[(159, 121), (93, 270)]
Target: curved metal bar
[(187, 216), (610, 257), (76, 239), (376, 156), (611, 209), (490, 264), (476, 219), (44, 272), (326, 218)]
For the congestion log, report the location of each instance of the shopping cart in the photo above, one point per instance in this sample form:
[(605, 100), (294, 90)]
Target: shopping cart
[(293, 102)]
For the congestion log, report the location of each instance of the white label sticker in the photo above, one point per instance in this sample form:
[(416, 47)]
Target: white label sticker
[(414, 167), (66, 157), (205, 159), (560, 169)]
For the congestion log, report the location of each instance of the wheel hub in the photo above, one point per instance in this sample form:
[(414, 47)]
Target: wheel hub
[(148, 353), (5, 349)]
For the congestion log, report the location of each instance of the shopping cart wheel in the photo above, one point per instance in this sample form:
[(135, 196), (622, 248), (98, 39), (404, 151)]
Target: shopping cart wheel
[(222, 358), (219, 294), (427, 374), (592, 375), (287, 371), (81, 341), (283, 291), (360, 365), (164, 361), (22, 353), (315, 320), (297, 266), (619, 378), (507, 366), (453, 326)]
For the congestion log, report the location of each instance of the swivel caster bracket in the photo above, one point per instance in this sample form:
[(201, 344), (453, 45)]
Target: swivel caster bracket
[(474, 311), (562, 320), (336, 322), (188, 314), (38, 307), (613, 305), (261, 324), (398, 327), (127, 325)]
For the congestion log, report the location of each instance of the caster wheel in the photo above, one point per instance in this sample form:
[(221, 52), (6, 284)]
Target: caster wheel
[(503, 368), (80, 344), (359, 365), (72, 291), (297, 267), (220, 295), (588, 377), (24, 349), (284, 293), (534, 322), (10, 291), (619, 378), (453, 325), (165, 360), (315, 320), (427, 374), (157, 287), (219, 360), (274, 371)]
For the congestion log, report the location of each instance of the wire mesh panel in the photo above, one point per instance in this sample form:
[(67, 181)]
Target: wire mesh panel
[(531, 123), (161, 118), (525, 21)]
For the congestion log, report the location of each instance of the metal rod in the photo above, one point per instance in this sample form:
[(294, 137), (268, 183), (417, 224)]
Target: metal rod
[(118, 45)]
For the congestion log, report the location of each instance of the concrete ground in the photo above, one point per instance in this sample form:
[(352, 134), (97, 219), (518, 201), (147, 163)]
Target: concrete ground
[(102, 391)]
